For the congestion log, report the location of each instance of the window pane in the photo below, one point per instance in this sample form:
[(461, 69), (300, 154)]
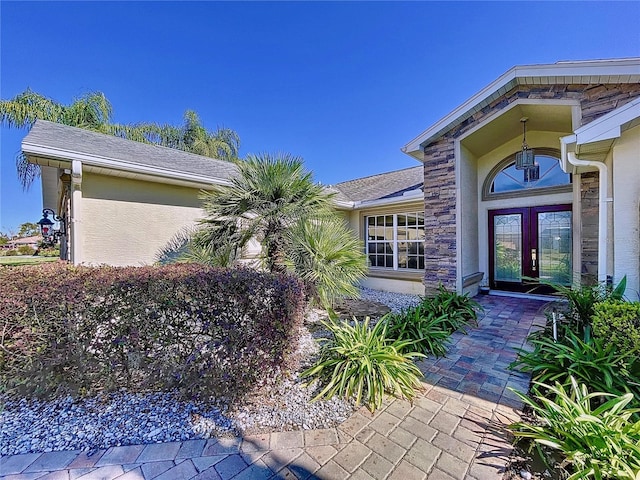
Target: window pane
[(403, 251), (409, 239), (550, 175)]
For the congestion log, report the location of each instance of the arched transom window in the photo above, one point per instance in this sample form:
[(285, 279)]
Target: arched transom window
[(545, 177)]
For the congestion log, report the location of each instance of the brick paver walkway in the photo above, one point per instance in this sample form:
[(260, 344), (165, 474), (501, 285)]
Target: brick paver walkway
[(453, 430)]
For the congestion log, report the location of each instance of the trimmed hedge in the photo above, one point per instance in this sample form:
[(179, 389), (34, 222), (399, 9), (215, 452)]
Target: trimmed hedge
[(204, 331), (618, 322)]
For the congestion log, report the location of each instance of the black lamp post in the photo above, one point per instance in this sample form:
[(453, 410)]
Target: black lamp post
[(49, 234)]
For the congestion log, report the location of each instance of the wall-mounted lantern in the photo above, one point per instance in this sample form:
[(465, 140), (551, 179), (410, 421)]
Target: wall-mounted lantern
[(47, 230)]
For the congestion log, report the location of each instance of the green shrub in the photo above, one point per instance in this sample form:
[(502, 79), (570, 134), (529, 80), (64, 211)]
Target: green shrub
[(49, 252), (427, 333), (460, 310), (201, 330), (600, 442), (594, 362), (26, 250), (582, 299), (363, 361), (619, 323), (11, 253)]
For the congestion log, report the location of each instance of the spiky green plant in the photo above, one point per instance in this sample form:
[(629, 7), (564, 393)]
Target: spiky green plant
[(428, 332), (327, 255), (460, 310), (363, 362), (600, 442), (185, 247), (581, 300), (594, 362)]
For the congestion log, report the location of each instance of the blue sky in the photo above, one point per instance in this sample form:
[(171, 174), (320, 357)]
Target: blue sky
[(344, 85)]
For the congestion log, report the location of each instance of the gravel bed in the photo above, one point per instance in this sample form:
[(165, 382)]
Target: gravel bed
[(123, 418), (395, 301)]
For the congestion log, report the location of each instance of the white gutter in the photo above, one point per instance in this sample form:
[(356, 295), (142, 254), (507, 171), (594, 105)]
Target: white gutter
[(418, 195), (603, 200)]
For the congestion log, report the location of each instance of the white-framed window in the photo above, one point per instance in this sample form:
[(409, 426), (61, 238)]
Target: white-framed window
[(396, 241)]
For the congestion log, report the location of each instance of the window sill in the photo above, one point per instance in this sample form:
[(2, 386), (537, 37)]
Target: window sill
[(413, 275)]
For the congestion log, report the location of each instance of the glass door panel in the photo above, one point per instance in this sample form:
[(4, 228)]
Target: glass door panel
[(508, 248), (554, 247)]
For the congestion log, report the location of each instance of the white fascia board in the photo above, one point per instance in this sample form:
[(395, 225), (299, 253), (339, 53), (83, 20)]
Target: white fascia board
[(389, 201), (342, 205), (608, 126), (615, 69), (414, 144), (99, 161)]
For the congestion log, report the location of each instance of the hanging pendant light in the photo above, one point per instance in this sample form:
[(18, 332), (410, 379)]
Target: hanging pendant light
[(526, 158)]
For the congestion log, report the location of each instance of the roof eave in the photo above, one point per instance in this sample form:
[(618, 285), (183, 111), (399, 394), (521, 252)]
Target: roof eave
[(412, 197), (613, 71), (163, 175)]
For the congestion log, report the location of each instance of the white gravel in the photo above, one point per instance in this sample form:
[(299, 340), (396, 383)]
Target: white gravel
[(395, 301), (122, 418)]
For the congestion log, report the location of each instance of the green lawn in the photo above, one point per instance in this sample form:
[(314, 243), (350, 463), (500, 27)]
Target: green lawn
[(26, 260)]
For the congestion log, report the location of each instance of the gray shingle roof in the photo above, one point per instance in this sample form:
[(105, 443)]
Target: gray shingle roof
[(78, 140), (383, 185)]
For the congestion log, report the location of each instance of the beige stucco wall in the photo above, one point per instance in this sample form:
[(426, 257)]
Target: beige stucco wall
[(626, 210), (49, 177), (414, 287), (126, 222), (467, 186)]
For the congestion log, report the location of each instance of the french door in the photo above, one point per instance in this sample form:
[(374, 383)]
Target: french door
[(530, 244)]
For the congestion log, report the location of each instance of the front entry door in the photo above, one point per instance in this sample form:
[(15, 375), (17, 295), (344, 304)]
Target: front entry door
[(532, 242)]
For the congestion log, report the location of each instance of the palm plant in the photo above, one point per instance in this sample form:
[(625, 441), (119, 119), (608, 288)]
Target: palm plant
[(193, 137), (93, 111), (327, 256), (268, 197), (186, 246)]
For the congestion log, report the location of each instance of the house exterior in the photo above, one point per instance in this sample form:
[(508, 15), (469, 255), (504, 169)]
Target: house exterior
[(123, 201), (574, 214), (467, 216)]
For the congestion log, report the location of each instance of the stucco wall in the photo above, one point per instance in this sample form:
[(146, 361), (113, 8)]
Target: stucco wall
[(126, 222), (414, 287), (468, 208), (49, 176), (626, 210)]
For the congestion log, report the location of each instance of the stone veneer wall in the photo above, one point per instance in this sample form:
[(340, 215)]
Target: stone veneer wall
[(589, 190), (439, 167)]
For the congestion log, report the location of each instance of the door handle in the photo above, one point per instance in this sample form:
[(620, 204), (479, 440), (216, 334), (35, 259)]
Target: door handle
[(534, 259)]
